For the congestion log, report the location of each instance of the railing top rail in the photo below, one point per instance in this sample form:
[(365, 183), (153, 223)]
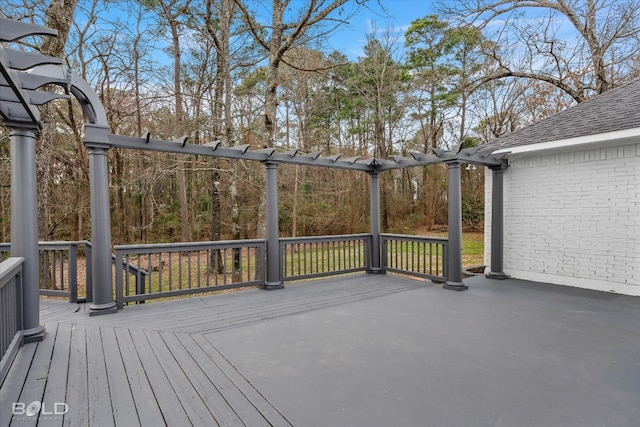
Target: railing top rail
[(190, 245), (9, 268), (415, 238), (52, 243), (332, 238)]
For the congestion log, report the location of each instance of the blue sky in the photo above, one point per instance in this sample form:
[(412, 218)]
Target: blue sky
[(350, 39)]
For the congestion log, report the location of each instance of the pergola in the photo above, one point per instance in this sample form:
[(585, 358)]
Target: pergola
[(21, 76)]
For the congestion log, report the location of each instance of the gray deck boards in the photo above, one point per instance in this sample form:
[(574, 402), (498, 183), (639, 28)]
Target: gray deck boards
[(151, 365), (120, 377), (213, 313), (356, 351), (14, 382)]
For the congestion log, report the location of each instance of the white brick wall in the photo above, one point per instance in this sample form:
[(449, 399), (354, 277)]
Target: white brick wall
[(573, 218)]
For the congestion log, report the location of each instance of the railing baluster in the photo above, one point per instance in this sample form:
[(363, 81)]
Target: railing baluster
[(62, 280), (216, 268), (249, 256), (208, 253), (241, 269), (199, 268), (304, 258), (125, 267), (56, 257), (225, 267), (45, 269), (72, 273), (188, 270)]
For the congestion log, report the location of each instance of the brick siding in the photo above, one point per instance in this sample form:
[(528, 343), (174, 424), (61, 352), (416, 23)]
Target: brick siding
[(573, 218)]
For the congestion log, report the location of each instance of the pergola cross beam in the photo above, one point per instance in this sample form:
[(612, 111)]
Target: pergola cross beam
[(337, 161)]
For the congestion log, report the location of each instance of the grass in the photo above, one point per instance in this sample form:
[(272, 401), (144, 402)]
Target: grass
[(472, 247)]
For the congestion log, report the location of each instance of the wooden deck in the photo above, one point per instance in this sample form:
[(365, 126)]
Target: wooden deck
[(154, 364), (132, 377), (361, 350)]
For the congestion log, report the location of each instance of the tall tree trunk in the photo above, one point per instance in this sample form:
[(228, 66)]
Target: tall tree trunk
[(59, 16), (172, 18)]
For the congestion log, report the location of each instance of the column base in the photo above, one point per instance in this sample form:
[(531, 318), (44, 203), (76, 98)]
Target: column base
[(98, 309), (496, 275), (33, 335), (376, 270), (455, 286), (272, 286)]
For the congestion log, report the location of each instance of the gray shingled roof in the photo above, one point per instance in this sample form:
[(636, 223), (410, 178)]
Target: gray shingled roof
[(617, 109)]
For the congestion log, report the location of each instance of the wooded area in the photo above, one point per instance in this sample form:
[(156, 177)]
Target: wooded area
[(257, 72)]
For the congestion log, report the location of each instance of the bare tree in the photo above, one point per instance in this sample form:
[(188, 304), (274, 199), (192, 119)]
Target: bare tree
[(280, 35), (597, 53)]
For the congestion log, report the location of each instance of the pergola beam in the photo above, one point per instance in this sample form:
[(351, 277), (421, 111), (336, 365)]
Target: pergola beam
[(335, 161)]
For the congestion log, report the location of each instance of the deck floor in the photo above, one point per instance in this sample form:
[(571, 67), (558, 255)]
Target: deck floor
[(363, 350)]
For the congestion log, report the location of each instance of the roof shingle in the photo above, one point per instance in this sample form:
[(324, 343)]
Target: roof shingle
[(615, 110)]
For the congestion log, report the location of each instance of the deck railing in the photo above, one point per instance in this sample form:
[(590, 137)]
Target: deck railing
[(10, 312), (146, 272), (415, 255), (307, 257), (59, 268)]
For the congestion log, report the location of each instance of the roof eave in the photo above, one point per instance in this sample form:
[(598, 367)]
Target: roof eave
[(620, 137)]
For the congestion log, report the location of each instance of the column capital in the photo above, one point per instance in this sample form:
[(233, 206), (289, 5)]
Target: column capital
[(270, 164), (22, 130), (499, 168), (94, 147), (96, 137)]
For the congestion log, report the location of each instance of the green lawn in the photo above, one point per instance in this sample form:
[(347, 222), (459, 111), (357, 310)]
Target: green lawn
[(472, 248)]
